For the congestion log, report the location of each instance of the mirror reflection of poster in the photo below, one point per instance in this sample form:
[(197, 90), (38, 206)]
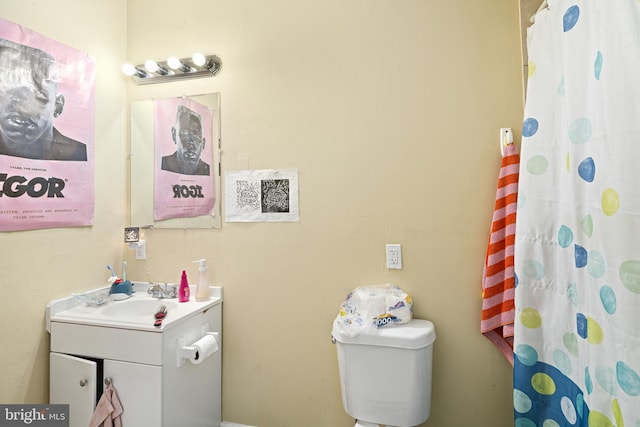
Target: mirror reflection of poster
[(184, 183), (47, 105)]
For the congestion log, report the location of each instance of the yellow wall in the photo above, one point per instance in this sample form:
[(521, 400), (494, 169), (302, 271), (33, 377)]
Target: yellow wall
[(40, 265), (389, 109)]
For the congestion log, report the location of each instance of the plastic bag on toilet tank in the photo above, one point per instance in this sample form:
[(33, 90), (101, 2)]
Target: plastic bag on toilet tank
[(368, 308)]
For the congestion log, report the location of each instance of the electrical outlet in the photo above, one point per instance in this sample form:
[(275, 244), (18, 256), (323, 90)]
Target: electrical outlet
[(394, 256)]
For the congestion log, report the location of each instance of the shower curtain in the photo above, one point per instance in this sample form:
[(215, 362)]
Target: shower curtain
[(577, 255)]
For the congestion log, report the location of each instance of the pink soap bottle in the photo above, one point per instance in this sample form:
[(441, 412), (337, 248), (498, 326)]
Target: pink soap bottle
[(183, 290)]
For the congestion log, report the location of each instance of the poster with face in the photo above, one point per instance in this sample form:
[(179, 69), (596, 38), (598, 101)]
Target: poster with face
[(184, 183), (47, 106)]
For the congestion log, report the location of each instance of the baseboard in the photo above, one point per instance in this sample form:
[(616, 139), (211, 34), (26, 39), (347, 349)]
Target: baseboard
[(228, 424)]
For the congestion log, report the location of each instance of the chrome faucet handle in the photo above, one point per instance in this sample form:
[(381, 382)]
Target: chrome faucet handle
[(154, 288), (171, 291), (158, 290)]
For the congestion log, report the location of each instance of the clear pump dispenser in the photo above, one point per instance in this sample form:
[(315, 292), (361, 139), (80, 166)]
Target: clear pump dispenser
[(202, 290)]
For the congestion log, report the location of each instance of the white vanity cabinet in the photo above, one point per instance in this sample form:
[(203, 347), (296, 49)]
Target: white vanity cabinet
[(156, 387), (77, 382)]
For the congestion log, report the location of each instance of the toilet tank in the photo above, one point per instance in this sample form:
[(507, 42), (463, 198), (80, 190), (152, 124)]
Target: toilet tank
[(385, 377)]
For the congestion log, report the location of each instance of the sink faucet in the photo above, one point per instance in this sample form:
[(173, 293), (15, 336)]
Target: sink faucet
[(157, 290)]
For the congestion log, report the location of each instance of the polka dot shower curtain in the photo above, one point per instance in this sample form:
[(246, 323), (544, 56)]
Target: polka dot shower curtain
[(577, 256)]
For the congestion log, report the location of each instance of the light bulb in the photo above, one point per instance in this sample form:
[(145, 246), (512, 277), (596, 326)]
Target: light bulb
[(199, 59), (151, 66), (174, 63), (128, 69), (177, 64)]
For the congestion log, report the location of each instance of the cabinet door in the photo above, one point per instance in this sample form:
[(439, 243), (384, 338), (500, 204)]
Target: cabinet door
[(139, 389), (73, 381)]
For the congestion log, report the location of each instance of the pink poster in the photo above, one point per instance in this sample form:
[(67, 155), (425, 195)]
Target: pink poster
[(183, 159), (47, 96)]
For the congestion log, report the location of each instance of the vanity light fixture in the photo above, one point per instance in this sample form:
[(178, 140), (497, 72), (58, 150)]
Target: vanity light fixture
[(174, 69)]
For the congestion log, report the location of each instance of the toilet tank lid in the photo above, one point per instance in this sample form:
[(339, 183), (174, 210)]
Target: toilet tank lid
[(415, 334)]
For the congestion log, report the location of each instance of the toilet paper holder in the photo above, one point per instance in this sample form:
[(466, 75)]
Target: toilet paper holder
[(190, 352)]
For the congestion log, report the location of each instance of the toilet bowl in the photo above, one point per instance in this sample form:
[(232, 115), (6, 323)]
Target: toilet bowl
[(385, 377)]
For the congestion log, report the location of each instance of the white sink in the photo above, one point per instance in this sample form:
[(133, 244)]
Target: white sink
[(137, 312), (134, 307)]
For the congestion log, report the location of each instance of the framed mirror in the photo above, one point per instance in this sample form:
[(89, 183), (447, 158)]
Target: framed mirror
[(175, 162)]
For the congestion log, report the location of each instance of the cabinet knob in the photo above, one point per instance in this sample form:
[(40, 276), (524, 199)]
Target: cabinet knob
[(83, 382)]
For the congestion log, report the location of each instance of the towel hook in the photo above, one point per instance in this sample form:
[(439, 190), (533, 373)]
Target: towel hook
[(108, 381), (506, 138)]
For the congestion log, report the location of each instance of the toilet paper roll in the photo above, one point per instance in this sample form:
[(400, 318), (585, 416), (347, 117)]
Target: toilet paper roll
[(370, 302), (205, 347), (399, 305)]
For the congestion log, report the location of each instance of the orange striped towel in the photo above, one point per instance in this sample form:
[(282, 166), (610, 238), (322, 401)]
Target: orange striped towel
[(498, 278)]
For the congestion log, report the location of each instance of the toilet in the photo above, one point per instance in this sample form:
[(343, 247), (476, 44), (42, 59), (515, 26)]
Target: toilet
[(385, 377)]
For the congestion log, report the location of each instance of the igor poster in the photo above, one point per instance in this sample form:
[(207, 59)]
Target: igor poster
[(184, 185), (46, 132)]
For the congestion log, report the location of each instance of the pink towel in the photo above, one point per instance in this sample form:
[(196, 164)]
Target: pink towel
[(498, 278), (108, 410)]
